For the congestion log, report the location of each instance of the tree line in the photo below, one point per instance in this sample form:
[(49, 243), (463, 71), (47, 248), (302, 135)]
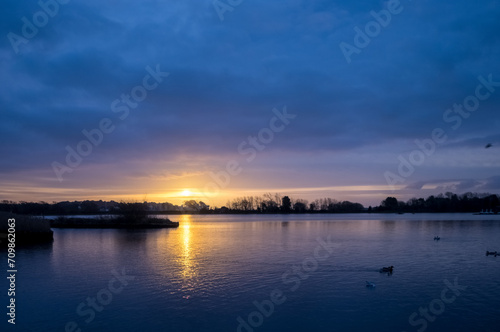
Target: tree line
[(88, 207), (277, 203), (267, 203), (448, 202)]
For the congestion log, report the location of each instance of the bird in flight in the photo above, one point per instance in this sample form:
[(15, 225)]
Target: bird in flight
[(489, 145)]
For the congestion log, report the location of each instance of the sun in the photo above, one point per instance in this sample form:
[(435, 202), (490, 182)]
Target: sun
[(186, 193)]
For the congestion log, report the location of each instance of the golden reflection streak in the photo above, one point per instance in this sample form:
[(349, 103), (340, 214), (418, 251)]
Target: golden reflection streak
[(187, 256)]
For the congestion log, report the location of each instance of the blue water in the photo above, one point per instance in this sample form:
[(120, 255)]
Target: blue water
[(206, 274)]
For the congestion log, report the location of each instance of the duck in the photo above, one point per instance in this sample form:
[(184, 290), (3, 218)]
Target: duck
[(491, 253), (437, 238), (387, 269)]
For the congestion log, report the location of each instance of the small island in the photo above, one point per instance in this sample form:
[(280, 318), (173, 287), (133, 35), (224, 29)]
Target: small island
[(29, 230), (25, 230), (131, 216), (118, 222)]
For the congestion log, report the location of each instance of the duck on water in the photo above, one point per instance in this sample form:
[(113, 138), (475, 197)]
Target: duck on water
[(387, 269)]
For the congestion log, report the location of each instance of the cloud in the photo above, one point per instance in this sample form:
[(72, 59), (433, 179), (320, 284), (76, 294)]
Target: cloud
[(226, 77), (492, 184)]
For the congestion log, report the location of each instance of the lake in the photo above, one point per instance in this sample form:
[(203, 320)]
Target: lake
[(266, 273)]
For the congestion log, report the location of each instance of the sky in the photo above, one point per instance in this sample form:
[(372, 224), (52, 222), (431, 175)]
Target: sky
[(209, 100)]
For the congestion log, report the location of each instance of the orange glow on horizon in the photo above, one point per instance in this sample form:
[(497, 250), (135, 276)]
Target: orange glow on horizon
[(178, 193)]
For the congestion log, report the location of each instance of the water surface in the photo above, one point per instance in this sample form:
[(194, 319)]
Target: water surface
[(211, 270)]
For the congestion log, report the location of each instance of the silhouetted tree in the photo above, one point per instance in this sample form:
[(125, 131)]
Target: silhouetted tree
[(286, 203), (300, 206), (390, 204), (133, 212), (194, 206)]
